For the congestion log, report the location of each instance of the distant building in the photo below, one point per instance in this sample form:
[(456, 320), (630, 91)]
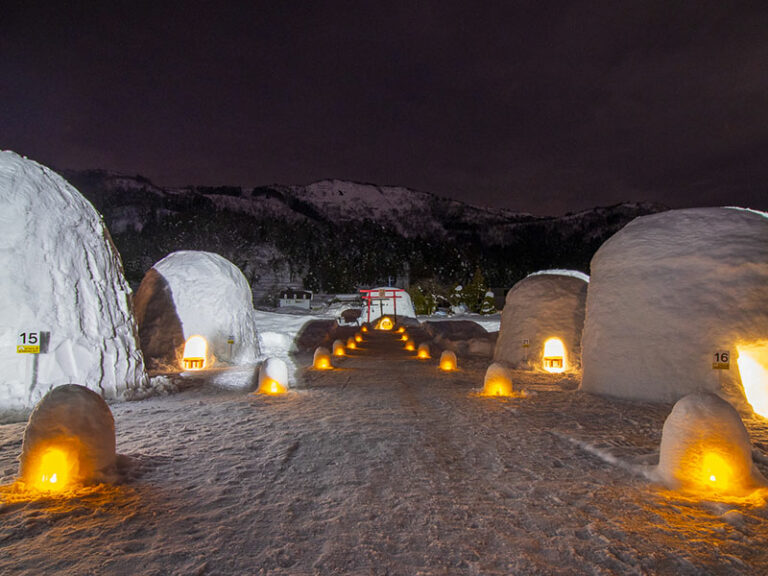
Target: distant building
[(295, 298)]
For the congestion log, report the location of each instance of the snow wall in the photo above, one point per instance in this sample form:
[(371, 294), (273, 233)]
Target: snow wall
[(387, 307), (547, 304), (668, 292), (61, 285), (190, 293)]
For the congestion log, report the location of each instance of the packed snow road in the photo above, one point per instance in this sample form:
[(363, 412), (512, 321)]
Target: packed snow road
[(382, 466)]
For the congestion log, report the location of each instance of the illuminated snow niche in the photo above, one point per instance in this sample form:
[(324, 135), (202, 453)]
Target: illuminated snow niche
[(554, 356), (423, 351), (705, 449), (322, 359), (194, 353), (753, 368), (338, 348), (351, 344), (448, 361), (385, 323), (498, 381), (273, 377)]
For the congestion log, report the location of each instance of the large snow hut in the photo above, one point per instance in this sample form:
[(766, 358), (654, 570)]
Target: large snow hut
[(542, 320), (678, 303), (386, 301), (65, 313), (193, 309)]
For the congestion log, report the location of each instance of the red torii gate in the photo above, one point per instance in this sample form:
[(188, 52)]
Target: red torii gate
[(381, 294)]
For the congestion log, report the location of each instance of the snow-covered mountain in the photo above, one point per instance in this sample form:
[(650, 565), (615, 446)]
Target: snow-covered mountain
[(336, 235)]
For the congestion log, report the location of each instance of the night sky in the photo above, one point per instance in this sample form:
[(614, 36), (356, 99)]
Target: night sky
[(534, 106)]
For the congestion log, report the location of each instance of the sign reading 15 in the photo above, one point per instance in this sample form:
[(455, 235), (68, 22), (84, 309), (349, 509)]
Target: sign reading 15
[(28, 343)]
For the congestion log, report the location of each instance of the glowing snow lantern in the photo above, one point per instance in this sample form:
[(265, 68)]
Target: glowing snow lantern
[(753, 368), (364, 328), (351, 344), (706, 448), (554, 355), (322, 359), (410, 346), (448, 361), (423, 351), (404, 337), (358, 337), (194, 353), (498, 381), (385, 323), (69, 440), (273, 377), (338, 348), (401, 330)]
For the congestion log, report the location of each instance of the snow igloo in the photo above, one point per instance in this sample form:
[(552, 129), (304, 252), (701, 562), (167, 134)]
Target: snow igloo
[(65, 311), (195, 309), (542, 320), (678, 303), (69, 440)]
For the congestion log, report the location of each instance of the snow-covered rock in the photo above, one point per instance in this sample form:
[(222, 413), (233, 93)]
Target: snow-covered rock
[(542, 306), (69, 439), (61, 287), (190, 293), (705, 446), (668, 293), (387, 307)]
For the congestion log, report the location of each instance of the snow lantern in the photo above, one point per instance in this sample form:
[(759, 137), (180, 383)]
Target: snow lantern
[(358, 337), (322, 359), (401, 330), (196, 294), (338, 348), (498, 381), (273, 377), (351, 344), (385, 323), (410, 346), (423, 351), (69, 440), (678, 304), (542, 320), (364, 328), (65, 306), (404, 336), (448, 361), (706, 448)]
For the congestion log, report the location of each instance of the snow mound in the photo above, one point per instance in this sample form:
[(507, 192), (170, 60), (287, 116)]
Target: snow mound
[(191, 293), (62, 285), (705, 446), (670, 291), (540, 307), (77, 422)]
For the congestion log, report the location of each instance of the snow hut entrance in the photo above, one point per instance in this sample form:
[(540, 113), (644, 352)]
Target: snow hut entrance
[(753, 369), (194, 353), (554, 355)]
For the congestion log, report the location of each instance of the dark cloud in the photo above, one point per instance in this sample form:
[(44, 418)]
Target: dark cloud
[(528, 105)]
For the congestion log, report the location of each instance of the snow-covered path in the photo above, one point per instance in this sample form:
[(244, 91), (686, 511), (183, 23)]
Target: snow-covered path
[(383, 466)]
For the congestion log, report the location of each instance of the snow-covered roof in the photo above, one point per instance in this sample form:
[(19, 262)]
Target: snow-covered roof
[(561, 272)]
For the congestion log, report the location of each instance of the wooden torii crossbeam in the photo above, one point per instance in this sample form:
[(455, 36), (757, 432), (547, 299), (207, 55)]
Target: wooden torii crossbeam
[(381, 294)]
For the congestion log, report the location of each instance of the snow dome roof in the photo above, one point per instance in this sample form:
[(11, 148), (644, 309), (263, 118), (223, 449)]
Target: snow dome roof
[(542, 306), (63, 287), (387, 307), (668, 292), (190, 293)]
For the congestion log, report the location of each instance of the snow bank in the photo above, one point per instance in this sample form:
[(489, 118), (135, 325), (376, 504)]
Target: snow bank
[(61, 285), (667, 293), (76, 422), (705, 446), (190, 293), (540, 307)]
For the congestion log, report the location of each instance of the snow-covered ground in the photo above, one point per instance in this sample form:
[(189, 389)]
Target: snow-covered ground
[(383, 466)]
